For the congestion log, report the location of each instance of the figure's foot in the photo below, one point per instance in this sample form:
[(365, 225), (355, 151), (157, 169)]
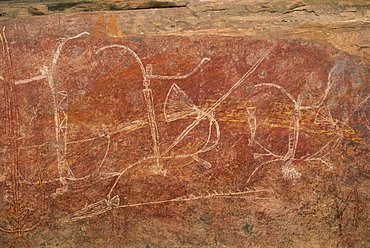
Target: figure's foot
[(290, 172), (158, 169), (60, 191)]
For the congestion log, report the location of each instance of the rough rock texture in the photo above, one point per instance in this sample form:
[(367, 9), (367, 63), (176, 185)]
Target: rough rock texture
[(184, 124), (343, 24)]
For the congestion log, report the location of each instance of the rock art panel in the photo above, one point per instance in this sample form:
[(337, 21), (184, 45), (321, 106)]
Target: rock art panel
[(173, 141)]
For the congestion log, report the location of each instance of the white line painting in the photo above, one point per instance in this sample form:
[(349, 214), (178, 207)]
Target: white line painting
[(322, 116), (107, 205), (20, 214), (60, 101), (148, 96), (177, 106)]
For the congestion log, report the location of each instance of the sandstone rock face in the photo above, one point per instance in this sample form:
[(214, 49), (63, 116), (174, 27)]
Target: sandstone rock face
[(147, 128), (342, 24)]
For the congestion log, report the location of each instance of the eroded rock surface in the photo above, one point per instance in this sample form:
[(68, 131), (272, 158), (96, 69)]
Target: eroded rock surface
[(167, 141), (184, 123), (341, 24)]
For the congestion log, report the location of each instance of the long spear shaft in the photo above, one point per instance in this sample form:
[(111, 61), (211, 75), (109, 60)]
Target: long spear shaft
[(219, 101)]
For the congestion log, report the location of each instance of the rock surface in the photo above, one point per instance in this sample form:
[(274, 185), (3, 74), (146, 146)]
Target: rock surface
[(185, 124), (342, 24)]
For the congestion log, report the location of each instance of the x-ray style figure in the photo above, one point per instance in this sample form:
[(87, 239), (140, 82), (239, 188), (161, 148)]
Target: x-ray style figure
[(177, 106)]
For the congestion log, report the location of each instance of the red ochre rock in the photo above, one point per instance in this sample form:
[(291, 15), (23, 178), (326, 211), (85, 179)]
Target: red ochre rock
[(169, 141)]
